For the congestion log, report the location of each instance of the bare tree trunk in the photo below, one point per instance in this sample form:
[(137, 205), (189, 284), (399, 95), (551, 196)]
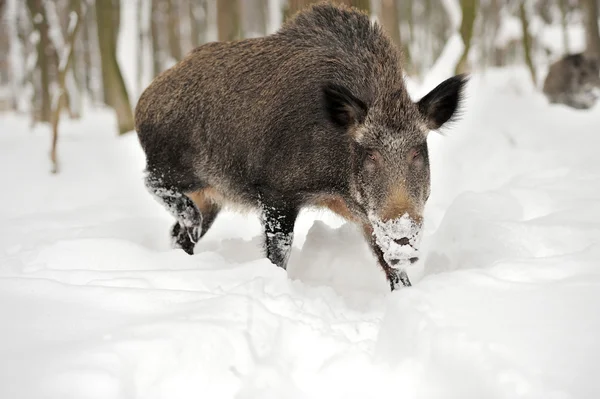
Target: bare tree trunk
[(65, 62), (469, 12), (228, 19), (563, 23), (139, 56), (406, 10), (113, 12), (40, 24), (364, 5), (527, 41), (254, 17), (4, 45), (390, 21), (75, 89), (499, 55), (197, 25), (116, 20), (119, 99), (87, 52), (155, 32), (174, 35), (592, 35)]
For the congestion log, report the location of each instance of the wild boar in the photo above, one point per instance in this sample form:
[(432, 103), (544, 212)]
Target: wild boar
[(574, 80), (316, 114)]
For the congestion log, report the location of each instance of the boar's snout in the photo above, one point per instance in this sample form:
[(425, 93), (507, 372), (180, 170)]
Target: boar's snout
[(398, 239)]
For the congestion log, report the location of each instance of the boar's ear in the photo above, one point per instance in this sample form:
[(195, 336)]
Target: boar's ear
[(441, 103), (343, 108)]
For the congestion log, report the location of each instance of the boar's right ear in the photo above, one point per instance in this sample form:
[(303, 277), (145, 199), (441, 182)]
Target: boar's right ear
[(441, 103), (343, 108)]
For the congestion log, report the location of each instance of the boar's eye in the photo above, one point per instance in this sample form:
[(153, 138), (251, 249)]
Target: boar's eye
[(372, 159), (416, 155)]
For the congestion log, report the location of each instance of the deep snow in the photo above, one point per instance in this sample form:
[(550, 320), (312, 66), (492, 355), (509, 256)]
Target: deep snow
[(505, 301)]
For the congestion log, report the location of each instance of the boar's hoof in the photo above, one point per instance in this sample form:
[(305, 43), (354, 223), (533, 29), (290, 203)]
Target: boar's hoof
[(398, 277), (184, 238)]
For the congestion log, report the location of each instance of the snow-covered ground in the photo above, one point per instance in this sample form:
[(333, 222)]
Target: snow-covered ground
[(505, 302)]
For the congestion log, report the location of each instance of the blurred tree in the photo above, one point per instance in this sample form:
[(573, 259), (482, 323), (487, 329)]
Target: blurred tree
[(228, 19), (4, 45), (41, 100), (591, 27), (156, 28), (116, 93), (563, 23), (469, 12), (254, 17), (406, 20), (173, 23), (66, 58), (390, 21), (364, 5), (87, 34), (113, 12), (198, 13), (527, 41)]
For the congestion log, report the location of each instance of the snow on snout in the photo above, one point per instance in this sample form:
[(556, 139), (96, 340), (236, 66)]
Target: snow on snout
[(398, 238)]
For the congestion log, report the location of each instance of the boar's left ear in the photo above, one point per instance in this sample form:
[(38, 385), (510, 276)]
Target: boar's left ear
[(441, 103), (342, 107)]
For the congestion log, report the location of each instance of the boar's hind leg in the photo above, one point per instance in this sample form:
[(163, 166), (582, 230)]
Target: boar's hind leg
[(278, 223), (186, 231)]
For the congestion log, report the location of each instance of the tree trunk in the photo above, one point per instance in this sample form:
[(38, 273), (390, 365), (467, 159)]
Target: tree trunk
[(390, 22), (86, 49), (197, 25), (499, 54), (592, 35), (174, 35), (228, 20), (116, 20), (254, 17), (40, 24), (527, 41), (469, 12), (119, 100), (76, 87), (113, 13), (4, 46), (65, 61), (563, 23), (155, 33), (364, 5)]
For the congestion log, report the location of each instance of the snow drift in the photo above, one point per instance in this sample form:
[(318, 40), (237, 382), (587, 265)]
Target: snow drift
[(505, 302)]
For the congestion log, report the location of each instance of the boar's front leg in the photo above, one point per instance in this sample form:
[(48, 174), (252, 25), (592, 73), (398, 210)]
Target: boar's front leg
[(186, 230), (278, 220), (395, 277)]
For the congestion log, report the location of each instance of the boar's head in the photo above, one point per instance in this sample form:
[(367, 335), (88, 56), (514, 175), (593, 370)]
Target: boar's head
[(390, 179)]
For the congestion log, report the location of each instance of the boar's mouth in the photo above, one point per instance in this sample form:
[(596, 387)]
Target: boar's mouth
[(399, 241)]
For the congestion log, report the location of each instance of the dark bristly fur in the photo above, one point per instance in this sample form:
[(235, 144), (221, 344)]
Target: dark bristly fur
[(572, 80), (316, 114)]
